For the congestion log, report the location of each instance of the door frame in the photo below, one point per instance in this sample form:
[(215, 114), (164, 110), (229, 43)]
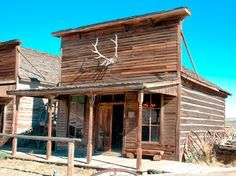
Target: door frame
[(97, 120)]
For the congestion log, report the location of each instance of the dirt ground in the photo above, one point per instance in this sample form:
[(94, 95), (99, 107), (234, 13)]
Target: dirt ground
[(13, 167)]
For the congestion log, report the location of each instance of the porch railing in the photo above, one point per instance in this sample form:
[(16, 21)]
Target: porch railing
[(70, 141)]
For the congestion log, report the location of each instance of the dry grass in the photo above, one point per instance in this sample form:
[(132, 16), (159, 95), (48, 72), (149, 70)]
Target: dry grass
[(13, 167)]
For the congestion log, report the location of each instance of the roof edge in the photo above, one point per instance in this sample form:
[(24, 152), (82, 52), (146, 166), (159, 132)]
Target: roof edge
[(182, 12), (11, 42)]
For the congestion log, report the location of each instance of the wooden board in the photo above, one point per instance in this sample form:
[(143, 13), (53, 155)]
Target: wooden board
[(144, 51)]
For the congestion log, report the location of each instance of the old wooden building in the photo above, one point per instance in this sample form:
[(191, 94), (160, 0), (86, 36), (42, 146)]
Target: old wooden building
[(23, 68), (123, 87)]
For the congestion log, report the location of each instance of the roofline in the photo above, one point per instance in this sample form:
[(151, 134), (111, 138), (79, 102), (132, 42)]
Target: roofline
[(11, 42), (205, 85), (181, 12)]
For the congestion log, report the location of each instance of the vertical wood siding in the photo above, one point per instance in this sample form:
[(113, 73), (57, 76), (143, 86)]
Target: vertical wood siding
[(143, 52)]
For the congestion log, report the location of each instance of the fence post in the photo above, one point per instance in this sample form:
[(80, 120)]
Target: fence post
[(70, 159)]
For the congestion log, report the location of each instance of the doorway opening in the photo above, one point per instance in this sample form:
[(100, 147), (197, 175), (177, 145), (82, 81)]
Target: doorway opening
[(1, 118), (117, 126)]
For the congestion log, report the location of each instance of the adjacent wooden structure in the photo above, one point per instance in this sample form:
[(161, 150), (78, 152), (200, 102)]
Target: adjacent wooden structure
[(23, 68), (145, 102)]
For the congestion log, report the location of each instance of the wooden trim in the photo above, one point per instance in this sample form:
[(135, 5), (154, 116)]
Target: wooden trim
[(17, 66), (139, 131), (162, 119), (181, 12), (90, 128), (70, 161), (177, 131), (14, 124)]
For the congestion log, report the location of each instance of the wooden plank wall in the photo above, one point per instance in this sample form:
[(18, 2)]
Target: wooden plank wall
[(170, 116), (201, 110), (31, 111), (8, 101), (8, 114), (7, 63), (62, 121), (144, 51)]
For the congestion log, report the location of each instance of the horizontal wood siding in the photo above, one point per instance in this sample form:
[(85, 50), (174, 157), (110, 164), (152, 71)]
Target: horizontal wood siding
[(8, 115), (169, 133), (143, 52), (7, 64), (201, 111), (32, 111)]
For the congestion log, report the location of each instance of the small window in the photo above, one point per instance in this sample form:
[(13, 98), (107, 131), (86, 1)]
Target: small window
[(151, 118)]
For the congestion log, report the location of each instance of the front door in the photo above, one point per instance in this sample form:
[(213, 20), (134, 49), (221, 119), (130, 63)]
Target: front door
[(104, 127)]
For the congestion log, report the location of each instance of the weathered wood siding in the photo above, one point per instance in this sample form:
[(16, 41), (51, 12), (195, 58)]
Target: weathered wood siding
[(7, 63), (169, 126), (8, 114), (32, 111), (201, 110), (62, 121), (144, 51)]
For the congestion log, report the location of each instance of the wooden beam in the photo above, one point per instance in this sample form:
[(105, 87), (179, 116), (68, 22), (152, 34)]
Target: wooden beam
[(90, 128), (139, 131), (162, 120), (14, 124), (70, 160), (49, 143)]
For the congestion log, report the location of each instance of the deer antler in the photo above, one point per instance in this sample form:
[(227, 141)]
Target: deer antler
[(107, 61)]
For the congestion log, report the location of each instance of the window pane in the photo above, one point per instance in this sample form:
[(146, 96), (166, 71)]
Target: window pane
[(155, 116), (106, 98), (146, 100), (119, 97), (146, 115), (155, 101), (145, 133), (154, 133)]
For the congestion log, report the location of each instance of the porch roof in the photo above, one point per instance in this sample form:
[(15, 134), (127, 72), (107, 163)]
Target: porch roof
[(152, 85)]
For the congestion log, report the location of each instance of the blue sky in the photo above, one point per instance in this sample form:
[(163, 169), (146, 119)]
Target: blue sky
[(210, 30)]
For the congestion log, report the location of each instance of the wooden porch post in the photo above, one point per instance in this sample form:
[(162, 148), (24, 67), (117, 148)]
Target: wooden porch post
[(90, 128), (14, 124), (139, 129), (49, 142)]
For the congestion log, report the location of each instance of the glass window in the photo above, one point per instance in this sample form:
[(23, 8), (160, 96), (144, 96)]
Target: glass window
[(151, 118)]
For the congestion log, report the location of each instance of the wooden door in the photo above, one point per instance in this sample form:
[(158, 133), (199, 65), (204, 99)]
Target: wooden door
[(105, 127)]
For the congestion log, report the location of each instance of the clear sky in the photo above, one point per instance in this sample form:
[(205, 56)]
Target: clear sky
[(210, 30)]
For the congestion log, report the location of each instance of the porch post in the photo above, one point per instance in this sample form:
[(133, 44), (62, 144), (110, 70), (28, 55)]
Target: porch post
[(14, 124), (90, 128), (139, 131), (49, 142)]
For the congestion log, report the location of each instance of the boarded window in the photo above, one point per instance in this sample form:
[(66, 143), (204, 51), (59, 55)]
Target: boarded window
[(151, 118), (76, 118)]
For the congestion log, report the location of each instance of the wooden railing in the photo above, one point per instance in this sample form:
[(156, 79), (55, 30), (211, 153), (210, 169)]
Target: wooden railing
[(70, 141)]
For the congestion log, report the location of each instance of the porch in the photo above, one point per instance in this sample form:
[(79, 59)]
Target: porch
[(145, 126), (106, 161)]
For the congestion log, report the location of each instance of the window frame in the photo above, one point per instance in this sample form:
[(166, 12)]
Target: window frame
[(150, 125)]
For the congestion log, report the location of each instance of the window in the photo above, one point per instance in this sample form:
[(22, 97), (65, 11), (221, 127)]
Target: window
[(151, 118), (76, 119)]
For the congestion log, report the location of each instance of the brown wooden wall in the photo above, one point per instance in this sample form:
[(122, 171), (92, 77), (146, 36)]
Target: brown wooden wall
[(201, 110), (7, 63), (169, 127), (32, 111), (143, 52)]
